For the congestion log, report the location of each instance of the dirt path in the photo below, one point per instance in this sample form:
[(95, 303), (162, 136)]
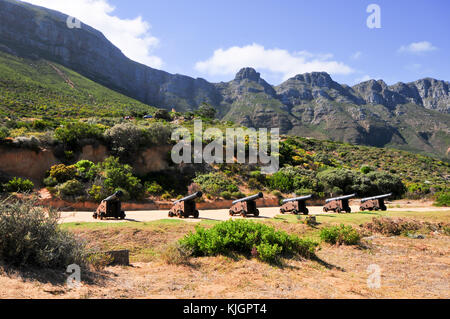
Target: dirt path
[(218, 214)]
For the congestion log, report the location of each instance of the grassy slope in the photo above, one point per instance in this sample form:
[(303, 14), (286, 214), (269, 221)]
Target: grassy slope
[(36, 88)]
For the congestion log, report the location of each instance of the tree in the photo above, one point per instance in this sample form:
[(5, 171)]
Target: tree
[(207, 111)]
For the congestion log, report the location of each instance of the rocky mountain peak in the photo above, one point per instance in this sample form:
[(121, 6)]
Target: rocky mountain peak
[(320, 79), (249, 74)]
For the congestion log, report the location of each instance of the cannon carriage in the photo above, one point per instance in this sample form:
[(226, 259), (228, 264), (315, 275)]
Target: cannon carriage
[(185, 207), (245, 206), (110, 207), (338, 204), (374, 203), (295, 205)]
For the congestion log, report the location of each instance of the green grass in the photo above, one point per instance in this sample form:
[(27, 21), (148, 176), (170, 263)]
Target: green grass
[(34, 88)]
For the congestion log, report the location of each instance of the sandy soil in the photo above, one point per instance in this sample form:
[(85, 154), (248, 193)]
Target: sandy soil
[(219, 214)]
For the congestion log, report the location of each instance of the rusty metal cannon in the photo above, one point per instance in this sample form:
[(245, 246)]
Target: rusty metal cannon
[(295, 205), (338, 204), (110, 207), (245, 206), (374, 202), (185, 207)]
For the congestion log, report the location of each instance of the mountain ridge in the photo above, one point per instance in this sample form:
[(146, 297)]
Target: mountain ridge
[(412, 116)]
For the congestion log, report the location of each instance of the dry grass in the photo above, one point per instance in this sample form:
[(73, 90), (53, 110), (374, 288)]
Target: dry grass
[(410, 268)]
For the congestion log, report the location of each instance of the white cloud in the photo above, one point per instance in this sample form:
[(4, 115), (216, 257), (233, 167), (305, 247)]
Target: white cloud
[(356, 55), (363, 79), (417, 47), (275, 61), (131, 36)]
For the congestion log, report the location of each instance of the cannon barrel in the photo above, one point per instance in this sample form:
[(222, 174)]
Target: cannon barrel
[(249, 198), (189, 197), (340, 198), (114, 196), (295, 199), (375, 197)]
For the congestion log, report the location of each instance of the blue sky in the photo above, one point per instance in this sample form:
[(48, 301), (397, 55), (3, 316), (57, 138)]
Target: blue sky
[(213, 39)]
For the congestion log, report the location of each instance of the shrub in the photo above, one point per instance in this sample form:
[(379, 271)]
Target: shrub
[(63, 173), (162, 114), (391, 226), (366, 169), (30, 236), (4, 133), (225, 195), (125, 139), (248, 238), (166, 196), (207, 111), (154, 188), (50, 181), (176, 254), (442, 199), (340, 235), (71, 133), (215, 183), (83, 168), (118, 175), (18, 185), (98, 193), (70, 188)]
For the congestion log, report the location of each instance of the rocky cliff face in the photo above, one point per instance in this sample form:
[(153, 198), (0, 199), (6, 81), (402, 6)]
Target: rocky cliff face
[(414, 116)]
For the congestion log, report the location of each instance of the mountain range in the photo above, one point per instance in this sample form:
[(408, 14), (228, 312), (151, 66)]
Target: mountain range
[(412, 116)]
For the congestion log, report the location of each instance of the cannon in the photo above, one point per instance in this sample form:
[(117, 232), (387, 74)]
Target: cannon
[(295, 205), (185, 207), (374, 203), (110, 207), (338, 204), (245, 206)]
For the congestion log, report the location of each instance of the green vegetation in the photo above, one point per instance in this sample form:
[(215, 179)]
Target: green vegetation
[(443, 199), (18, 185), (248, 238), (31, 88), (215, 183), (340, 235), (30, 236)]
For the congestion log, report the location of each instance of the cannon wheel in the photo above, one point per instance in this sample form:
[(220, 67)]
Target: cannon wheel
[(295, 212), (196, 214), (95, 215), (102, 216), (180, 214), (243, 213), (338, 210), (362, 209), (325, 209), (306, 212), (231, 213), (281, 211), (256, 214), (170, 214)]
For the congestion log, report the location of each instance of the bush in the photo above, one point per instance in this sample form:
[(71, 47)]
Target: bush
[(72, 133), (248, 238), (162, 114), (391, 226), (166, 196), (125, 139), (71, 188), (30, 236), (366, 169), (442, 199), (340, 235), (118, 175), (18, 185), (50, 181), (84, 168), (63, 173), (225, 195), (215, 183), (154, 188), (4, 133), (176, 254)]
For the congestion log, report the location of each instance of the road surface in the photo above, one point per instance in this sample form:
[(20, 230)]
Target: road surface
[(218, 214)]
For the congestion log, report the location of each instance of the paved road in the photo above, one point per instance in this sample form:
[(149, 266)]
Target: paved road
[(218, 214)]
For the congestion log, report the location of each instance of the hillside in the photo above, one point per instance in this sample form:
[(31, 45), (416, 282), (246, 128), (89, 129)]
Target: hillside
[(36, 88), (410, 116)]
